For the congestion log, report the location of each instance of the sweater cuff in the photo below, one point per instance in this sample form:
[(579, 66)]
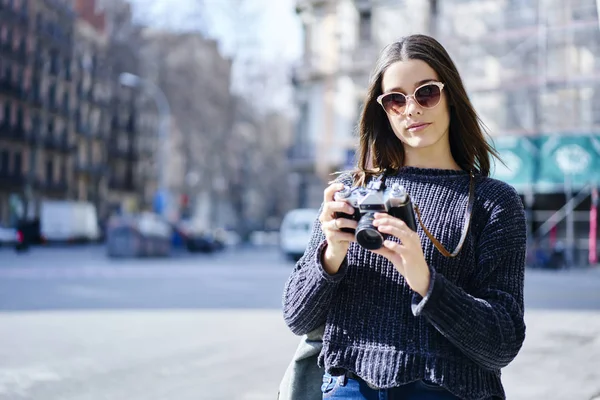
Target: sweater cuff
[(318, 262), (421, 304)]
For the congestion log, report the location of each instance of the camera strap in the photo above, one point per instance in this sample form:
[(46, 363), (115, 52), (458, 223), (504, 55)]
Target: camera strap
[(465, 228)]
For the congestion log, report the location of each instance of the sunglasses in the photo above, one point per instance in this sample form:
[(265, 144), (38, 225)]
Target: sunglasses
[(427, 96)]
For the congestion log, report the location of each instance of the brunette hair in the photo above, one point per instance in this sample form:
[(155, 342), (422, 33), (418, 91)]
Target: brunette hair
[(380, 149)]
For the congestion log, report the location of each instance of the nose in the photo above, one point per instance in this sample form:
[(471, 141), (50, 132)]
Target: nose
[(412, 107)]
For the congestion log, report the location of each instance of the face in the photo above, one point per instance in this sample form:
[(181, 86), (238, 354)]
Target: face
[(414, 124)]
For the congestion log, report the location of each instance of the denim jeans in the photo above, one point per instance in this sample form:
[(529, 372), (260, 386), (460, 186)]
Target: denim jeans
[(346, 388)]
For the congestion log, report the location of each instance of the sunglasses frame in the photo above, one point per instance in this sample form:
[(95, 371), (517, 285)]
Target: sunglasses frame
[(407, 97)]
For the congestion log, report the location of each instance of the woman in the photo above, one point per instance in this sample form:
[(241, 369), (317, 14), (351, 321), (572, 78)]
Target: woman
[(410, 320)]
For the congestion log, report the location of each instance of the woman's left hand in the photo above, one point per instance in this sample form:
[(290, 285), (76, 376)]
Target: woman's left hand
[(406, 256)]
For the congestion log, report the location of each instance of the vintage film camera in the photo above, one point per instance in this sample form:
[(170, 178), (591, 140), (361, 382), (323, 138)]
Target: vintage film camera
[(366, 201)]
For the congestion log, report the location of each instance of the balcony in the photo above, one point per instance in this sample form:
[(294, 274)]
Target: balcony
[(9, 14), (35, 98), (54, 35), (18, 54), (11, 179), (84, 130), (124, 184), (56, 186), (13, 132), (114, 151), (64, 8), (61, 143), (90, 168), (10, 87), (54, 107)]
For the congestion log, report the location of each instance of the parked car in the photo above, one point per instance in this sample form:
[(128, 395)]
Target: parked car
[(197, 239), (8, 236), (142, 235), (295, 231)]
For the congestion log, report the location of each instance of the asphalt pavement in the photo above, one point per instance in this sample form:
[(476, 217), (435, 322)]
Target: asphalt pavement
[(75, 325)]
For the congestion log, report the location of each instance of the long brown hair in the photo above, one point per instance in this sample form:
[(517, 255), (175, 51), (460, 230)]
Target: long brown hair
[(380, 149)]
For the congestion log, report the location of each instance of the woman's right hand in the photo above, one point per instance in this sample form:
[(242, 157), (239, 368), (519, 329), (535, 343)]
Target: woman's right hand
[(338, 241)]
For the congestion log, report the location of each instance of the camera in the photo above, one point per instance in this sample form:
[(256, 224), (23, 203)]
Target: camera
[(369, 200)]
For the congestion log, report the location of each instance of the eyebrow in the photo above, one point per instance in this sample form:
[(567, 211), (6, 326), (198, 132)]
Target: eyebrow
[(422, 82)]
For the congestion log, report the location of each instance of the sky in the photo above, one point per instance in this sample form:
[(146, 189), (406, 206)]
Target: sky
[(263, 37), (217, 17)]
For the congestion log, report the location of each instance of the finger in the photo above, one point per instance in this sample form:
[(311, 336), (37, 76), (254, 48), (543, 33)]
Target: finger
[(332, 207), (330, 191), (341, 223), (392, 256), (335, 235), (395, 227)]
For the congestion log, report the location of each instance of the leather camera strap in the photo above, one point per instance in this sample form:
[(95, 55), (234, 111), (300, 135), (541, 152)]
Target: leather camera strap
[(465, 229)]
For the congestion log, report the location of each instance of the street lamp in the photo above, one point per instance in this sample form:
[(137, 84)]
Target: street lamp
[(164, 113)]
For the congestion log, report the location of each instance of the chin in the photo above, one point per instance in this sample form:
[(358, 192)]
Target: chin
[(418, 142)]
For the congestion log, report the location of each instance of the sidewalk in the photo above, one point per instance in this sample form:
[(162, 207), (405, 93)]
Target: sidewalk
[(560, 359)]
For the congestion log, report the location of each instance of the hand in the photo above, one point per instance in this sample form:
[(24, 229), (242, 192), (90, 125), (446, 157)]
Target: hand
[(406, 256), (337, 240)]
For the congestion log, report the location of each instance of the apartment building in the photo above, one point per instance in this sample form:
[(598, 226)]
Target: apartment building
[(342, 39), (36, 140), (92, 119), (68, 129)]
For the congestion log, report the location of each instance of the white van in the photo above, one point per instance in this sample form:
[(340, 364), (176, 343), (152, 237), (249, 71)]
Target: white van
[(295, 231), (68, 221)]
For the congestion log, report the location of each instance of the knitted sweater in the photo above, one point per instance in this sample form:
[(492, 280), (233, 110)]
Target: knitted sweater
[(467, 327)]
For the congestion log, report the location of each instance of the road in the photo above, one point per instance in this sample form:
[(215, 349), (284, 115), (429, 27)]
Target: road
[(75, 326)]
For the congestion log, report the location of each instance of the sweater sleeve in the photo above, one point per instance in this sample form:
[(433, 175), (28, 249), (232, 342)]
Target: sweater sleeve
[(309, 289), (487, 324)]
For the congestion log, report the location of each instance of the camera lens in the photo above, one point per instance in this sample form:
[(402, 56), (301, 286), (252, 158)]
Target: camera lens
[(366, 234)]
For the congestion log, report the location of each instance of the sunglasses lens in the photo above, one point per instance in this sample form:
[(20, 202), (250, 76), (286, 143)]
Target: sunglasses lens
[(394, 103), (428, 96)]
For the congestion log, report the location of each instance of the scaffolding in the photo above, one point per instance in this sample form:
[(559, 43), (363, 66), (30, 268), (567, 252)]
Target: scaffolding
[(529, 66)]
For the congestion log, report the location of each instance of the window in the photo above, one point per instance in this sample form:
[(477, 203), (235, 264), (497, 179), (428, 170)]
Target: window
[(49, 171), (20, 117), (18, 163), (4, 161), (63, 171), (364, 26), (6, 117)]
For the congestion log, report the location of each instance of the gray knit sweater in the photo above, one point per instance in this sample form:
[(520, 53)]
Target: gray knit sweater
[(467, 327)]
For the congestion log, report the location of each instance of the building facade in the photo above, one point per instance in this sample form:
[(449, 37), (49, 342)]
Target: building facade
[(68, 129), (531, 69), (342, 39), (36, 138), (521, 62)]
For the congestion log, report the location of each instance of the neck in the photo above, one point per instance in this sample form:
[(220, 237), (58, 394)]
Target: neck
[(436, 157)]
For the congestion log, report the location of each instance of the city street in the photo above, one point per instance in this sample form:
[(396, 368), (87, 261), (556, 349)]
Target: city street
[(75, 325)]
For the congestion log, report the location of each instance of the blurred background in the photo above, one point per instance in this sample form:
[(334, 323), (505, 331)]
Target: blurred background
[(161, 163)]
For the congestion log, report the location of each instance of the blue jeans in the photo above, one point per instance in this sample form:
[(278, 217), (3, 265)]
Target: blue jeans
[(348, 388)]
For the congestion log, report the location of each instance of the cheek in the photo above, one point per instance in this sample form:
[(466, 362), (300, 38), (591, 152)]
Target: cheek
[(397, 124), (441, 115)]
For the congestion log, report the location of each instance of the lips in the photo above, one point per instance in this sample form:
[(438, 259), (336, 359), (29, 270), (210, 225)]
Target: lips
[(417, 125)]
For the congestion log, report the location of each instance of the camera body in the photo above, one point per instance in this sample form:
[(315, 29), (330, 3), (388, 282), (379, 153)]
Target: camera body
[(367, 201)]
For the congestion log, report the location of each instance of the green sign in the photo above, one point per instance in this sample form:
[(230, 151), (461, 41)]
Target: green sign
[(568, 160), (548, 163), (519, 156)]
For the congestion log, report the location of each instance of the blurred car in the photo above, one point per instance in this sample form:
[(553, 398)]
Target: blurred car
[(8, 236), (295, 231), (141, 235), (197, 239)]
